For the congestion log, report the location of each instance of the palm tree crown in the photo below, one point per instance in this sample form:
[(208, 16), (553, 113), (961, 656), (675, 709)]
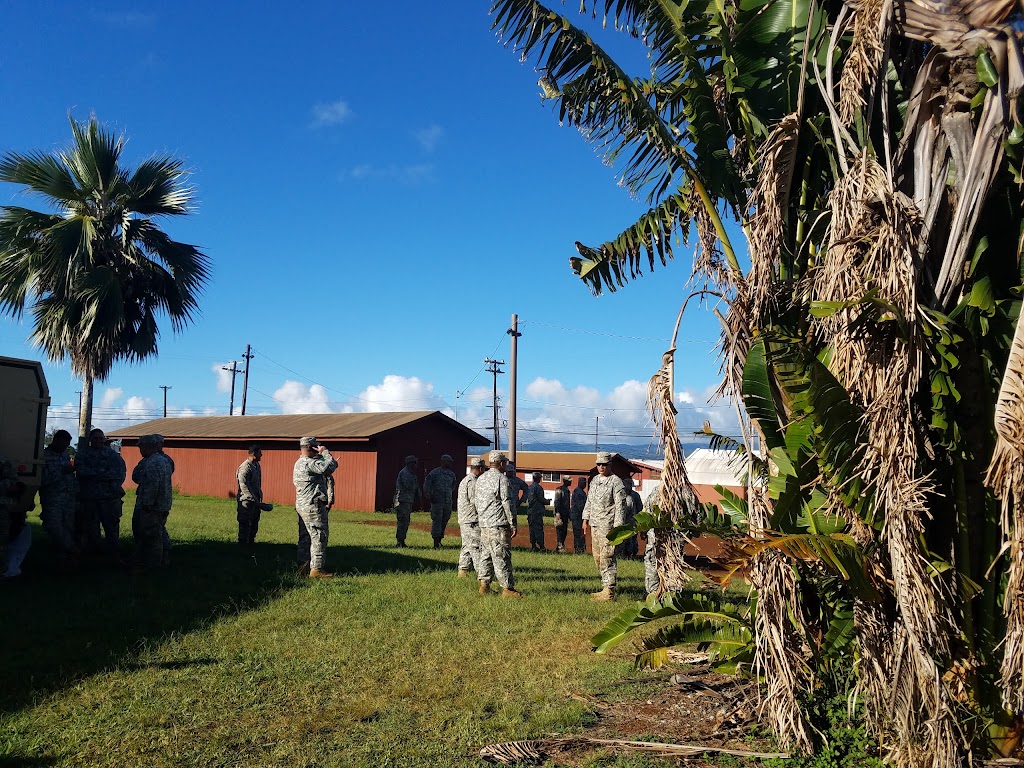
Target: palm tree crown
[(96, 270)]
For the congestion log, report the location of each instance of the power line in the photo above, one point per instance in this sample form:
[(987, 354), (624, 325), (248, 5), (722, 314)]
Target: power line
[(617, 335)]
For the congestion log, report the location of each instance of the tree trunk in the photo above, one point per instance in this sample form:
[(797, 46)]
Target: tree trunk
[(85, 414)]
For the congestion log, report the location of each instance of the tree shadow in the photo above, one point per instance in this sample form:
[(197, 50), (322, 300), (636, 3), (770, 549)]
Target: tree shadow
[(62, 625)]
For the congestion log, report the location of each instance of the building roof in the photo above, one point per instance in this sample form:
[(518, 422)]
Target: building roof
[(561, 461), (707, 467), (326, 426)]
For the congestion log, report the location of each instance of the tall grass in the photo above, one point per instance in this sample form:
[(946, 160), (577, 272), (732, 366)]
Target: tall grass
[(222, 659)]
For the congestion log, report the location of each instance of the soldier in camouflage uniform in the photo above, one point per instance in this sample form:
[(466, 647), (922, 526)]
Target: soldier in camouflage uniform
[(562, 506), (469, 525), (493, 500), (101, 474), (439, 488), (536, 503), (153, 500), (634, 506), (407, 496), (249, 498), (310, 479), (652, 582), (579, 501), (57, 495), (605, 510), (518, 488)]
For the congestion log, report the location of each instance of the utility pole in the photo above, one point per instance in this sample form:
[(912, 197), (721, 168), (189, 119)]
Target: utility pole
[(165, 388), (79, 416), (515, 334), (494, 370), (233, 370), (597, 421), (245, 379)]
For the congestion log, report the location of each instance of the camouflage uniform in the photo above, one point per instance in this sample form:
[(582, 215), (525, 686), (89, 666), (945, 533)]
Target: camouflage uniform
[(562, 508), (492, 497), (249, 477), (605, 509), (407, 495), (310, 479), (471, 557), (535, 504), (439, 488), (517, 494), (152, 506), (579, 501), (634, 506), (101, 473), (57, 500)]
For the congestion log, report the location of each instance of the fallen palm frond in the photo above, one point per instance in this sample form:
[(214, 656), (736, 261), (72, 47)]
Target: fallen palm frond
[(536, 751)]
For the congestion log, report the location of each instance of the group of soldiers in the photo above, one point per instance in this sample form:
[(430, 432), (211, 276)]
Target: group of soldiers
[(81, 503)]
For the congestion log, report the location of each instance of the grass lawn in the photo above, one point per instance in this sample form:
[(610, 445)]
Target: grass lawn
[(226, 660)]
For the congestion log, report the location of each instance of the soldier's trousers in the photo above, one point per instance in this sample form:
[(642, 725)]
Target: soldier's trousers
[(248, 522), (59, 521), (628, 548), (604, 556), (152, 544), (403, 514), (97, 515), (535, 520), (313, 534), (579, 541), (472, 557), (440, 514), (561, 530), (651, 579), (496, 543)]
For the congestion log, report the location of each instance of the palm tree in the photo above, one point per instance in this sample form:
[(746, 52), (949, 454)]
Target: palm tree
[(95, 269), (869, 155)]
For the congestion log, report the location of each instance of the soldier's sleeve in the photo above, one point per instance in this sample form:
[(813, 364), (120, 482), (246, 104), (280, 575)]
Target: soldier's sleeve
[(506, 502), (51, 472), (120, 470), (245, 482), (147, 490), (586, 504), (428, 484)]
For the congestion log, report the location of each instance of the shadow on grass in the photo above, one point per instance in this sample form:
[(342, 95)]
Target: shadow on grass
[(65, 625)]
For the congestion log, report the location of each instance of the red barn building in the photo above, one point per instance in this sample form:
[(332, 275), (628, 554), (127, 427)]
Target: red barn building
[(370, 449)]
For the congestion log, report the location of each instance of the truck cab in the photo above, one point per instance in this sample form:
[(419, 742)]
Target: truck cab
[(24, 398)]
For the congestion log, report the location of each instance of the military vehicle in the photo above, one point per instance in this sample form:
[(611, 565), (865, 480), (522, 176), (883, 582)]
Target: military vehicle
[(24, 397)]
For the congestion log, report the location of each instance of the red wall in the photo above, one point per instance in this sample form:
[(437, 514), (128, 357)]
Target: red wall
[(428, 441)]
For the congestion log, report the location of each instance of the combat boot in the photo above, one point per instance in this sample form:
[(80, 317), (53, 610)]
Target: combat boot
[(400, 543), (437, 543), (605, 595), (485, 588), (316, 573), (463, 573), (511, 593)]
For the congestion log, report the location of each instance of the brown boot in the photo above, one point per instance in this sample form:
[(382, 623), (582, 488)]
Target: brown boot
[(511, 593), (485, 588), (316, 573), (604, 596), (463, 573)]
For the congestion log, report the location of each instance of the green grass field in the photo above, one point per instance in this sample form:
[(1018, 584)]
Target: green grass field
[(227, 660)]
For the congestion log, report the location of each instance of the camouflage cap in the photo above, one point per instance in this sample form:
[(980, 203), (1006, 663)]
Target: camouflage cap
[(410, 459), (308, 441), (511, 467), (495, 457), (604, 458), (151, 440), (478, 461), (447, 457)]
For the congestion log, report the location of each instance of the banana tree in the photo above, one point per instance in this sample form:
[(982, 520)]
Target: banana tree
[(851, 175)]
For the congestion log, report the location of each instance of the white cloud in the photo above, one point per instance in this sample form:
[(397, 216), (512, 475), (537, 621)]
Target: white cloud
[(223, 373), (330, 113), (296, 397), (110, 396), (398, 393), (429, 137)]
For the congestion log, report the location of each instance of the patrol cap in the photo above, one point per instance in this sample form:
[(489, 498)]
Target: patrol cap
[(478, 461), (628, 482), (410, 459), (447, 457), (308, 441), (495, 457), (511, 467), (153, 439), (604, 458)]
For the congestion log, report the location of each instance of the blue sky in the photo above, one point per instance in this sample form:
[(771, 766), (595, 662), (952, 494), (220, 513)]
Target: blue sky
[(378, 191)]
